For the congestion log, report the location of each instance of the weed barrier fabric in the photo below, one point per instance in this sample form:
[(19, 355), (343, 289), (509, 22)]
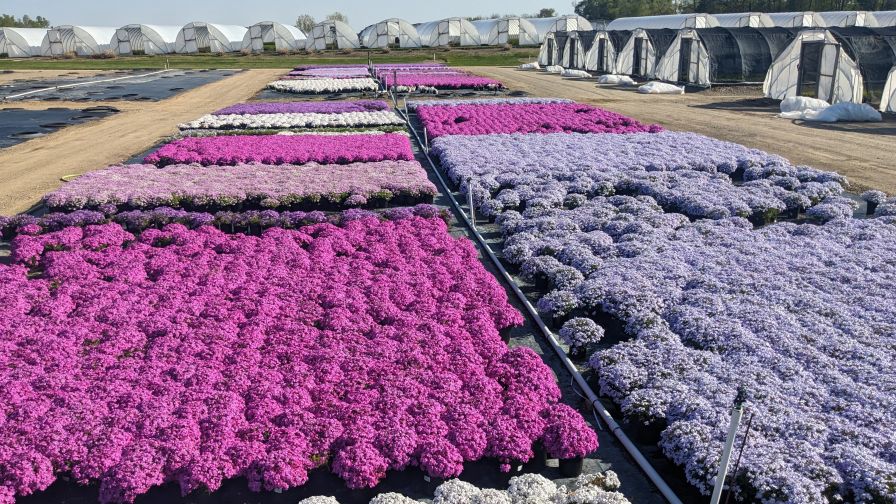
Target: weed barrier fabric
[(150, 88), (20, 125)]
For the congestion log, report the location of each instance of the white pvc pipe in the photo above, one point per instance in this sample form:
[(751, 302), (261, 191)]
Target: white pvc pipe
[(76, 84), (736, 414), (593, 400)]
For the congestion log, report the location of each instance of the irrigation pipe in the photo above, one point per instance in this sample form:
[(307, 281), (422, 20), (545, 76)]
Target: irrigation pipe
[(594, 401), (76, 84)]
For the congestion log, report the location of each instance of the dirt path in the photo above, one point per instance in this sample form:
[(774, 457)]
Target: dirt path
[(865, 153), (31, 169)]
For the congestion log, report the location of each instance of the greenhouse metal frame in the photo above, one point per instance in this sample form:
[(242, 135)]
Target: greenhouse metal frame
[(332, 34), (641, 54), (814, 65), (447, 32), (671, 21), (21, 42), (567, 23), (277, 36), (874, 52), (392, 32), (511, 30), (744, 20), (885, 18), (601, 57), (202, 37), (806, 19), (78, 40), (707, 56), (848, 18), (144, 39), (551, 51), (577, 45)]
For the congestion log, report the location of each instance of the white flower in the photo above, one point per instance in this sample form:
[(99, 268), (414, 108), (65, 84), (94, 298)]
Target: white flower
[(491, 496), (455, 492), (324, 85), (319, 500), (607, 480), (594, 495), (392, 498), (295, 120), (532, 488)]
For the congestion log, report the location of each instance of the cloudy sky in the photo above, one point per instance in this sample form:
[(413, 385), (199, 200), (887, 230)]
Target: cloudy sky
[(360, 13)]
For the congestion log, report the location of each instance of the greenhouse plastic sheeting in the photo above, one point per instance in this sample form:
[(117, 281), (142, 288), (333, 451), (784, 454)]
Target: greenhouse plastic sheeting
[(577, 45), (653, 45), (874, 51), (888, 100)]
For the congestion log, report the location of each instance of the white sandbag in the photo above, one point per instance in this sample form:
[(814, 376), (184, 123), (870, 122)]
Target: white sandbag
[(575, 73), (619, 80), (530, 66), (553, 69), (798, 103), (656, 87), (839, 112)]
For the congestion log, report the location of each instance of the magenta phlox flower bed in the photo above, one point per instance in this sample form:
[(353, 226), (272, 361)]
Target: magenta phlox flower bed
[(283, 149), (527, 118), (331, 72), (439, 81), (299, 107), (194, 356), (307, 186)]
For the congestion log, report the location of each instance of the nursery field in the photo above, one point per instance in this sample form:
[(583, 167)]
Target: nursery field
[(862, 152), (294, 286)]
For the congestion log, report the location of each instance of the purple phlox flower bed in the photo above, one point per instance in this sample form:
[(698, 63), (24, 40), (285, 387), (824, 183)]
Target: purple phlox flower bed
[(194, 356), (483, 119), (331, 72), (410, 66), (241, 221), (304, 107), (686, 172), (325, 67), (439, 81), (510, 100), (307, 186), (281, 149)]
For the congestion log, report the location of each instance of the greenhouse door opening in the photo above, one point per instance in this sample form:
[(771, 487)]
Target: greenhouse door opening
[(573, 53), (550, 51), (602, 55), (684, 59), (810, 69), (639, 61)]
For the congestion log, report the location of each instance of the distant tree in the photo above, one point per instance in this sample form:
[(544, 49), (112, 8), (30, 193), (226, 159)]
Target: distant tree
[(24, 22), (546, 13), (305, 22), (338, 16)]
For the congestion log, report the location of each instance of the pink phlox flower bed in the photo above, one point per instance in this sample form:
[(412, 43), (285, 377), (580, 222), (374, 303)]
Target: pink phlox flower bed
[(283, 149), (265, 186), (526, 118), (439, 80), (194, 356)]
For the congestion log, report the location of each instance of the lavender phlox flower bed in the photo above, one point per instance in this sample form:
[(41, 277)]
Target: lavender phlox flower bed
[(483, 119), (332, 72), (329, 66), (514, 171), (195, 356), (284, 149), (300, 107), (510, 100), (439, 81), (324, 85), (308, 185), (295, 120)]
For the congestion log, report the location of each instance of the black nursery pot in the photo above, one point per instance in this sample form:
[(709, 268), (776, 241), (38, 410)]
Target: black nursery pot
[(572, 468), (505, 334), (871, 208), (578, 353)]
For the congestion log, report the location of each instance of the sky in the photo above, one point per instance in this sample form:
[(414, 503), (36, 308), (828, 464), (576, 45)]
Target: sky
[(116, 13)]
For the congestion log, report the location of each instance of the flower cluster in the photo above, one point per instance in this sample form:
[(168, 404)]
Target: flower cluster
[(484, 119), (247, 186), (509, 100), (195, 356), (304, 107), (324, 85), (336, 72), (295, 120), (280, 149), (439, 81)]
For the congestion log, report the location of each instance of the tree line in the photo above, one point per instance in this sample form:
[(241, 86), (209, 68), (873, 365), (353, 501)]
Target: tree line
[(612, 9), (24, 21), (305, 21)]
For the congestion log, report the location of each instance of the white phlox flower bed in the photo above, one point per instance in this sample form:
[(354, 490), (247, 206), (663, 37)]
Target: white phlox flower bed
[(294, 120)]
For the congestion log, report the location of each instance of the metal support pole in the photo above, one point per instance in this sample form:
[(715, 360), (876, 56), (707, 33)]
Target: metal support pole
[(470, 189), (425, 140), (737, 413)]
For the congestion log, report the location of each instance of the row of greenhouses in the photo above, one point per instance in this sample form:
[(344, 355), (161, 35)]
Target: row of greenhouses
[(836, 64), (199, 37)]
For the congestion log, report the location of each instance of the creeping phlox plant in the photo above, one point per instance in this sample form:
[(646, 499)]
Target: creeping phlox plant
[(246, 186), (307, 107), (295, 120), (438, 81), (324, 85), (502, 100), (281, 149), (194, 356), (484, 119)]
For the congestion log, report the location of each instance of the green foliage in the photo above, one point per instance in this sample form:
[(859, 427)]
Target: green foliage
[(24, 22), (305, 22), (612, 9), (337, 16)]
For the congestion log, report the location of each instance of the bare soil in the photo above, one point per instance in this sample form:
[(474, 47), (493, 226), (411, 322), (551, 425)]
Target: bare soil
[(864, 152), (31, 169)]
